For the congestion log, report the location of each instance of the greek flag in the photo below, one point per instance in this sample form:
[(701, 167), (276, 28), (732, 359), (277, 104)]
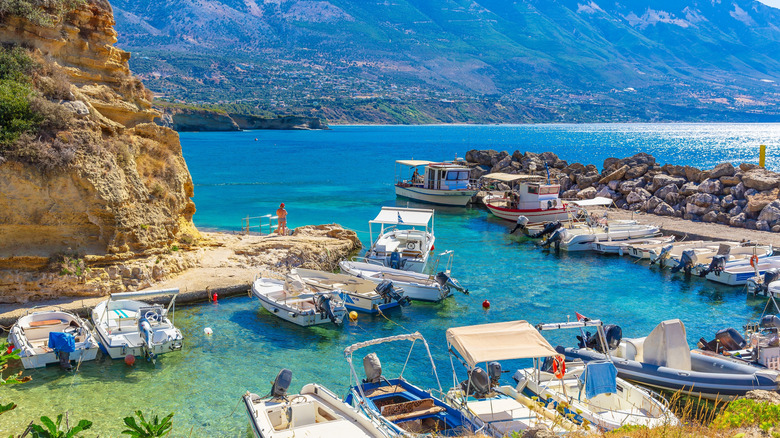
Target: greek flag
[(400, 221)]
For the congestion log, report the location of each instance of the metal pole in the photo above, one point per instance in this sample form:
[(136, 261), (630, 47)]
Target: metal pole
[(762, 155)]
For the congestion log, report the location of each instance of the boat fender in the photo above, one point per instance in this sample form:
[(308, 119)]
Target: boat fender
[(559, 367)]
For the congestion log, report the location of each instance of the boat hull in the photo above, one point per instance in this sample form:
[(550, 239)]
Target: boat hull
[(738, 273), (121, 351), (534, 216), (30, 335), (458, 198), (416, 291), (366, 305), (300, 318)]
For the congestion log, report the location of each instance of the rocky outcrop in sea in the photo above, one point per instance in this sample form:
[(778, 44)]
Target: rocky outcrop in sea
[(743, 196), (202, 120)]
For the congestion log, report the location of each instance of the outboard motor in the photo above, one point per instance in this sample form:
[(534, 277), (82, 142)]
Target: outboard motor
[(613, 334), (373, 368), (770, 322), (494, 372), (447, 282), (717, 266), (63, 344), (323, 303), (730, 339), (662, 256), (687, 261), (522, 221), (281, 383), (555, 238), (549, 228), (478, 383), (147, 335), (386, 290), (760, 285), (395, 260)]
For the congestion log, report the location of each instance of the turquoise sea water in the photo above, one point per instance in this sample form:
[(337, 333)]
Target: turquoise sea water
[(344, 176)]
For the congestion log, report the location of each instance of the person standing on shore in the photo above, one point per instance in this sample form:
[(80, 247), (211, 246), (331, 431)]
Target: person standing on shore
[(281, 213)]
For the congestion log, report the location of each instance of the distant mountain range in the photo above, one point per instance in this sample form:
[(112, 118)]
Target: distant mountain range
[(526, 60)]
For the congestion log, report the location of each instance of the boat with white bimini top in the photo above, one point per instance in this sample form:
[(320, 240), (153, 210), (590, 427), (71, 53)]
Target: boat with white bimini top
[(663, 360), (416, 286), (594, 392), (314, 412), (409, 409), (291, 301), (444, 183), (530, 196), (504, 408), (52, 336), (127, 326), (404, 240), (357, 293)]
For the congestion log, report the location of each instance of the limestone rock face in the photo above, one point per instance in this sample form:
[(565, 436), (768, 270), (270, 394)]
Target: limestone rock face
[(127, 194)]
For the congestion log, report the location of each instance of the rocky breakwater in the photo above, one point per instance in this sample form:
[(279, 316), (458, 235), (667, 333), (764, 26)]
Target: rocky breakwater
[(744, 196)]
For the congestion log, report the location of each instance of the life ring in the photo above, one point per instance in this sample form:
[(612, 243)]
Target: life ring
[(753, 261), (559, 367)]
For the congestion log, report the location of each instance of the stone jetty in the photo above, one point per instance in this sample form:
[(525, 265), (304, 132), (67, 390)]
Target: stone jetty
[(744, 196)]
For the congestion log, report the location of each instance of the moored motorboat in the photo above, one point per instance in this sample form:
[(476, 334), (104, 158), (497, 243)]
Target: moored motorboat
[(416, 286), (714, 259), (404, 240), (127, 326), (530, 196), (584, 238), (739, 272), (412, 410), (663, 360), (357, 293), (291, 301), (314, 412), (52, 336), (444, 183), (622, 247)]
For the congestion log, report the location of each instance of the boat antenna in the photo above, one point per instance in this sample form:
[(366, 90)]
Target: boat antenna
[(547, 169)]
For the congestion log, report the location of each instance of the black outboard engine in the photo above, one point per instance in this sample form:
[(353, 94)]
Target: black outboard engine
[(386, 290), (494, 372), (478, 383), (771, 275), (717, 266), (613, 334), (281, 383), (770, 322), (687, 261), (323, 304), (730, 339), (549, 228), (662, 256), (522, 221), (555, 238), (446, 282)]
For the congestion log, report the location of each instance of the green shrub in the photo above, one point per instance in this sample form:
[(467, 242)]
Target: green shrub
[(147, 429), (744, 412), (16, 114), (40, 12), (52, 429), (16, 64)]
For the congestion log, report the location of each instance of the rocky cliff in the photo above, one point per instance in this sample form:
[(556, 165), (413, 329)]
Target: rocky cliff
[(85, 200), (195, 119)]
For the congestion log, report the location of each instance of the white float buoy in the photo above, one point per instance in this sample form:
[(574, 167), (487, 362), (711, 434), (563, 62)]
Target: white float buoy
[(208, 331)]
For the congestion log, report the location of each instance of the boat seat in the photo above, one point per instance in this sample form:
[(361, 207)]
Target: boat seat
[(303, 414), (411, 409), (412, 254), (48, 322), (634, 349), (384, 390)]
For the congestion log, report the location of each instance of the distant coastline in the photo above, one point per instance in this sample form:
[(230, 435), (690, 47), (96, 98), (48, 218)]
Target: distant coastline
[(191, 119)]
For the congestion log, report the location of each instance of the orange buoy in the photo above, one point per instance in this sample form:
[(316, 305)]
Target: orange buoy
[(486, 304), (130, 360), (353, 316), (214, 297)]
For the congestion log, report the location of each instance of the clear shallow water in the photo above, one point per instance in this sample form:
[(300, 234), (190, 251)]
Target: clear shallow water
[(343, 176)]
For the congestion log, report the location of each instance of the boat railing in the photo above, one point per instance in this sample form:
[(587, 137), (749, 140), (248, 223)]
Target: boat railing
[(367, 260), (45, 306)]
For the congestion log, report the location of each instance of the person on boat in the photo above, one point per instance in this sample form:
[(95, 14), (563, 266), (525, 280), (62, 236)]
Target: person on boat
[(281, 213), (416, 178)]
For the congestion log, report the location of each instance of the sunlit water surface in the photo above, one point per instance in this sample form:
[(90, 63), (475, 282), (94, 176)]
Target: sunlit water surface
[(344, 175)]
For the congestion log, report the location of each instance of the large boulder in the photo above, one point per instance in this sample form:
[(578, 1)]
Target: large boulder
[(748, 166), (575, 168), (517, 156), (761, 179), (636, 171), (763, 225), (662, 180), (609, 163), (664, 209), (711, 217), (691, 208), (738, 220), (665, 190), (638, 195), (587, 180), (571, 193), (606, 192), (723, 169), (730, 181), (587, 193), (627, 187), (565, 182), (484, 158), (689, 188), (673, 198), (652, 203), (735, 210), (711, 185), (692, 173), (738, 191), (760, 200), (727, 201), (615, 175), (613, 185), (704, 200), (501, 164), (771, 213), (673, 170)]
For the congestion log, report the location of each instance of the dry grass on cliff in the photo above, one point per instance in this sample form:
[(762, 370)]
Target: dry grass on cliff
[(39, 12)]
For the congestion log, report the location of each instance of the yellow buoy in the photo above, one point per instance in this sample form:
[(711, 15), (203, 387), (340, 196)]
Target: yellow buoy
[(353, 316)]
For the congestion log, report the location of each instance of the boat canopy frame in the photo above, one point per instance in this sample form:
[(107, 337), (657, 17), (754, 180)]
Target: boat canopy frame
[(415, 217), (146, 294)]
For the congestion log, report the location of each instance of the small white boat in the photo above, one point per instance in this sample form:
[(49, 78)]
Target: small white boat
[(52, 336), (717, 257), (405, 238), (648, 250), (314, 412), (416, 286), (529, 196), (626, 246), (763, 284), (739, 272), (444, 183), (357, 293), (584, 238), (127, 326), (292, 302)]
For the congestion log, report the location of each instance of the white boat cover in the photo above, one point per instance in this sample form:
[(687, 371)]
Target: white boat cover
[(419, 217), (414, 163), (143, 294), (598, 200), (508, 177), (667, 346), (498, 341), (406, 337)]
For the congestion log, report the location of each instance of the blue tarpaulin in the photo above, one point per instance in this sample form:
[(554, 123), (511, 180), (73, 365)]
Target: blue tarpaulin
[(62, 342), (600, 377)]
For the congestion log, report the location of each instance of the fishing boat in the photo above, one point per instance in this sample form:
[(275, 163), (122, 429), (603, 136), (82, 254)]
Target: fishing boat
[(404, 240), (416, 286), (663, 360), (411, 410), (313, 412), (530, 196), (593, 391), (504, 408), (626, 246), (444, 183), (52, 336), (357, 293), (738, 272), (291, 301), (127, 326)]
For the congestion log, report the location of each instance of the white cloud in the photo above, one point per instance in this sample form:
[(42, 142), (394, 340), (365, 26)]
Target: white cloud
[(772, 3)]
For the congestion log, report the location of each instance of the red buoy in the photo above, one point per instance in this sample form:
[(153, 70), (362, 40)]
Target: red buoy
[(486, 304), (10, 349), (214, 297), (130, 360)]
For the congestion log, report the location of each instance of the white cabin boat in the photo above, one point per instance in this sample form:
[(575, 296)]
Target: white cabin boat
[(529, 196), (291, 302), (314, 412), (404, 240), (52, 336), (416, 286), (444, 183), (126, 326), (357, 293)]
